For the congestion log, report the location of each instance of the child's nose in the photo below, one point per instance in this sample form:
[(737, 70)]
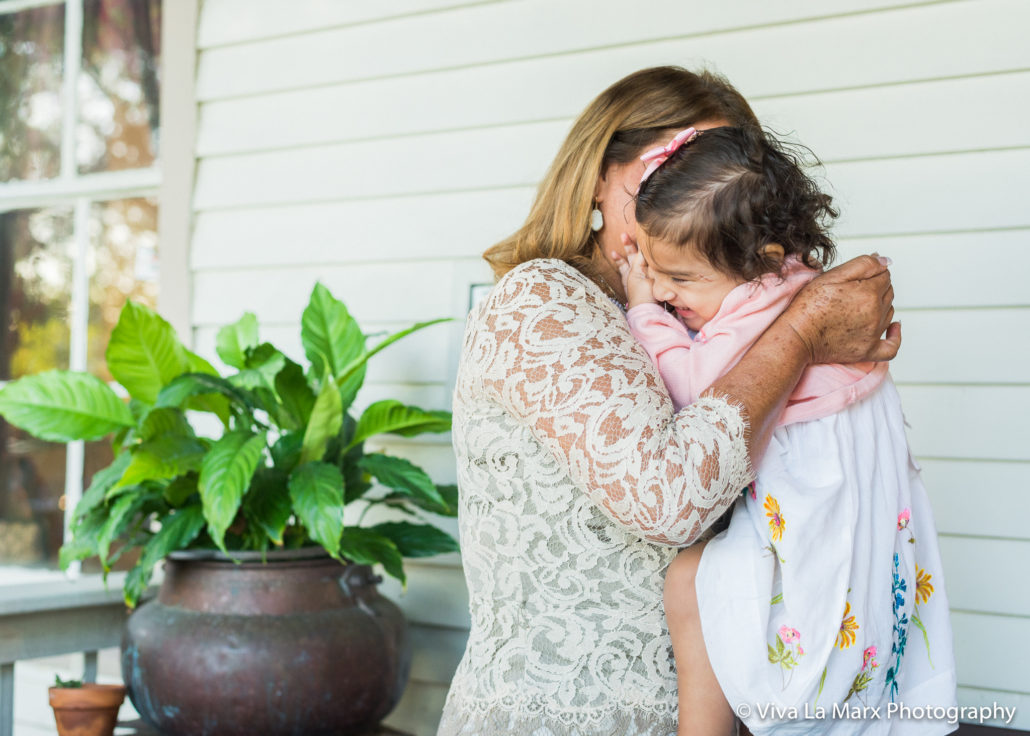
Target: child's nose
[(660, 292)]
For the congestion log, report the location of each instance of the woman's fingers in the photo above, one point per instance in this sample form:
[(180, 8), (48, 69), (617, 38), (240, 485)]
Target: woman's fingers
[(842, 315), (887, 348), (860, 268)]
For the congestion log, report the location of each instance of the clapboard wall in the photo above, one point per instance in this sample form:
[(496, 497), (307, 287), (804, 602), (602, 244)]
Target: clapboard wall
[(380, 147)]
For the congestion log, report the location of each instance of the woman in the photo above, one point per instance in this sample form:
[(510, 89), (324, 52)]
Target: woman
[(578, 482)]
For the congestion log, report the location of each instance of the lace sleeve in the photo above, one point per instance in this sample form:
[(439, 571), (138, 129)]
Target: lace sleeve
[(557, 355)]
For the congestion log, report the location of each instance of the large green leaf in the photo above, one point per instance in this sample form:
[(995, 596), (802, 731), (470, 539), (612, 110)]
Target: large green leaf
[(85, 537), (214, 403), (417, 540), (316, 490), (392, 417), (177, 531), (102, 482), (197, 364), (224, 476), (407, 503), (286, 451), (403, 476), (296, 395), (355, 480), (179, 491), (367, 547), (120, 514), (329, 334), (234, 340), (144, 353), (325, 422), (189, 388), (350, 386), (162, 421), (267, 503), (260, 366), (62, 406), (162, 458)]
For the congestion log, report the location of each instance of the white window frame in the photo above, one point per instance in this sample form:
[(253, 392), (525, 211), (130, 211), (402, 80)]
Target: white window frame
[(79, 191)]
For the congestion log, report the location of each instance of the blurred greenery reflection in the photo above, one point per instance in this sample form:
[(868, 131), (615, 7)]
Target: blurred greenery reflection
[(118, 85), (31, 61)]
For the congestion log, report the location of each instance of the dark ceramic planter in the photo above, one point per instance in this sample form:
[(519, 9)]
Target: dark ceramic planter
[(302, 646)]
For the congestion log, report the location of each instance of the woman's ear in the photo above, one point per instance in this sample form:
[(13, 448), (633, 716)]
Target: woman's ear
[(773, 251)]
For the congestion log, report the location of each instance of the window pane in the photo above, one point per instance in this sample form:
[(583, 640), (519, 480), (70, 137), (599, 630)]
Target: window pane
[(118, 85), (31, 58), (31, 501), (35, 291), (123, 266)]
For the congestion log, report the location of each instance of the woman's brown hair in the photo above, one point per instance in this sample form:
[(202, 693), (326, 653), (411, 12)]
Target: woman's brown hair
[(615, 128)]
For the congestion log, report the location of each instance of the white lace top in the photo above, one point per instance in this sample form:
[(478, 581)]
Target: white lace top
[(578, 483)]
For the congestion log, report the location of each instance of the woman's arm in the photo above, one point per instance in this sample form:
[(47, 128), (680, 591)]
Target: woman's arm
[(837, 318), (552, 352)]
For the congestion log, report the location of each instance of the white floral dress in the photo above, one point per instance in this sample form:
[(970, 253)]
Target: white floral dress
[(577, 484), (823, 604)]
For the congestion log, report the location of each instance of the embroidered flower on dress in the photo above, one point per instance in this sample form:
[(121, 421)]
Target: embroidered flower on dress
[(865, 676), (788, 634), (869, 659), (776, 521), (924, 588), (903, 518), (848, 627), (784, 654)]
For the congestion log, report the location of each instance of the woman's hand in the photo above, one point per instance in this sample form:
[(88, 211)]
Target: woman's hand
[(841, 315), (636, 282)]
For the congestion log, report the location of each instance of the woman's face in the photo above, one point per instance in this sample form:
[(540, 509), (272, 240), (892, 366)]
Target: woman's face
[(615, 193)]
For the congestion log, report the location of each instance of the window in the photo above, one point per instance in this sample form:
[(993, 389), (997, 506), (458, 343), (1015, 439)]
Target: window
[(79, 124)]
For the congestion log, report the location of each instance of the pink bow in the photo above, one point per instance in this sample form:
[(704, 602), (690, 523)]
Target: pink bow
[(658, 156)]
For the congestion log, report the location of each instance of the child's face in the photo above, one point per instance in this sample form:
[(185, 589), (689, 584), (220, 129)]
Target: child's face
[(686, 280)]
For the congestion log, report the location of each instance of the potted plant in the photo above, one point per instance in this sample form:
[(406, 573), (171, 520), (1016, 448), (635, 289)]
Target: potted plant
[(85, 709), (286, 645)]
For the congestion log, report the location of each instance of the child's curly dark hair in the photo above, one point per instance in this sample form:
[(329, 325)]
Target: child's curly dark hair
[(732, 191)]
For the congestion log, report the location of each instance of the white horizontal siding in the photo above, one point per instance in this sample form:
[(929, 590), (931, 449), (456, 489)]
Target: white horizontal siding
[(1003, 639), (952, 270), (504, 31), (242, 21), (974, 422), (901, 119), (435, 596), (432, 226), (401, 139), (974, 697), (977, 583), (980, 499), (374, 292), (961, 346)]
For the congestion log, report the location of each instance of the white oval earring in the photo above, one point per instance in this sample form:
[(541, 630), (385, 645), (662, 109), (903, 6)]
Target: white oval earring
[(596, 220)]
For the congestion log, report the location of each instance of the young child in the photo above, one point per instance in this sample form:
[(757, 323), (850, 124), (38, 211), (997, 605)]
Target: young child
[(824, 599)]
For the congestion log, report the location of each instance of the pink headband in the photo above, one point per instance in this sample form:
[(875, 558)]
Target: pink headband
[(658, 156)]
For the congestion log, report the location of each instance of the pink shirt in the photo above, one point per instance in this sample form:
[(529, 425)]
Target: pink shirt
[(690, 365)]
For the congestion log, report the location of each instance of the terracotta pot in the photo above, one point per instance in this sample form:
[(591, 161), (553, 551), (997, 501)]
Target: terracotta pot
[(294, 647), (90, 710)]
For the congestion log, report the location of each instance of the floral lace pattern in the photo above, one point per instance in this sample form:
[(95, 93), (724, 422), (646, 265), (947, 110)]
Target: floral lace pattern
[(578, 482)]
